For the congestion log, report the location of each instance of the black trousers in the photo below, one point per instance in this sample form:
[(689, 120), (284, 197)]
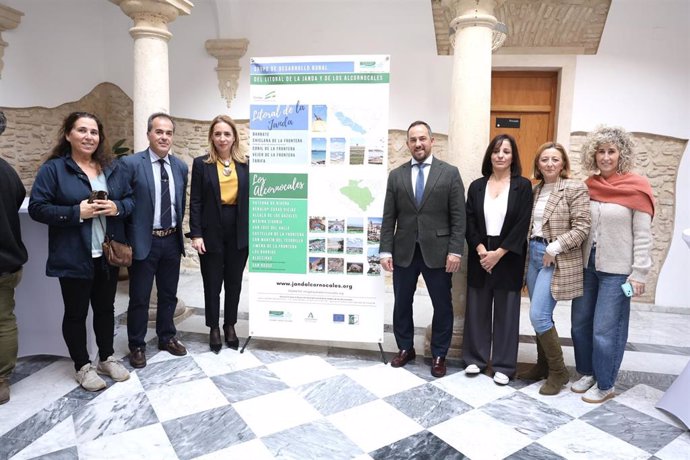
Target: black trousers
[(492, 320), (77, 293), (224, 268), (438, 283)]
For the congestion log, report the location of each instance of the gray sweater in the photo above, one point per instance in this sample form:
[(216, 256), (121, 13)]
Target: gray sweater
[(624, 239)]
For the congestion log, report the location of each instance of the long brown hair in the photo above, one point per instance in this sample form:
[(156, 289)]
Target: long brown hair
[(235, 153), (102, 156)]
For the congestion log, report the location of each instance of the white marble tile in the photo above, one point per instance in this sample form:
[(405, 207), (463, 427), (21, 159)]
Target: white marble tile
[(659, 328), (643, 398), (186, 398), (678, 449), (566, 401), (254, 450), (475, 434), (384, 380), (475, 390), (60, 437), (580, 440), (225, 362), (654, 362), (153, 355), (35, 392), (305, 369), (374, 425), (262, 417), (146, 443), (120, 390)]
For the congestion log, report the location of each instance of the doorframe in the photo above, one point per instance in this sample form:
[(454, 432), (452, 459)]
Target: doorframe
[(565, 66)]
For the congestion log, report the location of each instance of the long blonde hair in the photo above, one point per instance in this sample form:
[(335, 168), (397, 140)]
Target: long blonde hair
[(235, 152)]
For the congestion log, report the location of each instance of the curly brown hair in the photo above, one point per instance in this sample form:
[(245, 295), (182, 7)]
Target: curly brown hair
[(603, 135)]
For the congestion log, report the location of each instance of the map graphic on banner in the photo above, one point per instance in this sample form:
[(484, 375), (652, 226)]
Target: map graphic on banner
[(318, 168)]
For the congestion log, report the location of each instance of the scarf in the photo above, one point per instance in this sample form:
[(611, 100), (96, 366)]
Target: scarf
[(630, 190)]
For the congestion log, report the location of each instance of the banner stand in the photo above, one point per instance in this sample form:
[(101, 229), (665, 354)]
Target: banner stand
[(383, 356)]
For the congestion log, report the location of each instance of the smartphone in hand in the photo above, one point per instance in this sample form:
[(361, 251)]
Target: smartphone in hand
[(627, 289), (98, 195)]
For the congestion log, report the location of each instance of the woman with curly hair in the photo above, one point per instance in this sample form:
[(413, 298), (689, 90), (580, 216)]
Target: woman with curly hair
[(617, 259), (559, 225)]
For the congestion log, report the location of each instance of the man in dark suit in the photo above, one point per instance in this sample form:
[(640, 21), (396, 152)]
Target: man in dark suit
[(423, 231), (154, 229)]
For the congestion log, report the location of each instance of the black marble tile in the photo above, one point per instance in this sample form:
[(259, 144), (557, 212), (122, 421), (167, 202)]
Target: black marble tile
[(636, 428), (317, 440), (71, 453), (428, 405), (248, 383), (420, 446), (628, 379), (10, 446), (206, 432), (30, 364), (526, 415), (43, 421), (335, 394), (169, 372), (534, 452)]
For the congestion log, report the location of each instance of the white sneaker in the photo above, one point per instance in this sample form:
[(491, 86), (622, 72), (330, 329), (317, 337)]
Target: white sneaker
[(501, 378), (113, 369), (585, 383), (88, 379), (472, 369), (595, 396)]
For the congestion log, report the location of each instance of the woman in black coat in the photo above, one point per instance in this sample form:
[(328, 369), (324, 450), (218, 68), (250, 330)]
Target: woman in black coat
[(64, 196), (218, 221), (498, 210)]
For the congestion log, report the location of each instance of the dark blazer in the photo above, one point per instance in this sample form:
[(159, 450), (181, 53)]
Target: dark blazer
[(439, 223), (59, 189), (508, 272), (205, 205), (140, 222)]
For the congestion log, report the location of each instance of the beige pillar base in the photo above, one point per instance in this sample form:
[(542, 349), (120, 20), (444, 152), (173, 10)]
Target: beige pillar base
[(9, 19), (182, 312)]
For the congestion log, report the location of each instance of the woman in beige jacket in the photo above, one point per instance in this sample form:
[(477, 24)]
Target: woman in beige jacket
[(559, 225)]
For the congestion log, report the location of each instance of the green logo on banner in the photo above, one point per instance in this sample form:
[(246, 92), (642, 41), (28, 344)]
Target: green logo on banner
[(265, 185)]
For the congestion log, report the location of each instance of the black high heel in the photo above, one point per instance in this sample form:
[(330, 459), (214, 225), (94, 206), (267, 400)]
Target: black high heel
[(231, 339), (214, 340)]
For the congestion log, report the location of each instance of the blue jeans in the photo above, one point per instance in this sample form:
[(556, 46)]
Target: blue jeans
[(600, 321), (539, 277)]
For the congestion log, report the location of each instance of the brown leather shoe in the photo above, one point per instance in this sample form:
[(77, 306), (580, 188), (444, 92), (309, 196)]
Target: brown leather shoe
[(137, 357), (214, 340), (174, 347), (403, 357), (438, 366), (231, 339)]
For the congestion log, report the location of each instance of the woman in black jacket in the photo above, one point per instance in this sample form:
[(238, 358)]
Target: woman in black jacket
[(219, 225), (82, 193), (499, 206)]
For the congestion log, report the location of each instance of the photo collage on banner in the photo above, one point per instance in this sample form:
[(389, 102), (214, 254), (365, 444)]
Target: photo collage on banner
[(318, 169)]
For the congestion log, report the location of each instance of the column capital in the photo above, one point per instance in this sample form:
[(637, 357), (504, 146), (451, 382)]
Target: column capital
[(151, 17), (9, 19), (228, 51)]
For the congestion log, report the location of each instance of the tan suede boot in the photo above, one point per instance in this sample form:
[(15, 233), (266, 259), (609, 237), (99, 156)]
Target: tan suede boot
[(558, 374), (4, 390), (540, 370)]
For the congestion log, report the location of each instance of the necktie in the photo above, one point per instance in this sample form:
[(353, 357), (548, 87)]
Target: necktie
[(419, 186), (166, 214)]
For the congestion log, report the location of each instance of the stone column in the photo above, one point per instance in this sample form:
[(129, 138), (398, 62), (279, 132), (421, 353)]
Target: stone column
[(151, 35), (228, 51), (9, 19), (472, 27)]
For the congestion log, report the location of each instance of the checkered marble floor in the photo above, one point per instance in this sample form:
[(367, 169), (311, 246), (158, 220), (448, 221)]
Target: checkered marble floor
[(291, 401)]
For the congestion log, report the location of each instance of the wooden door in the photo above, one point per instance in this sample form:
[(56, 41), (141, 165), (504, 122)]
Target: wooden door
[(527, 100)]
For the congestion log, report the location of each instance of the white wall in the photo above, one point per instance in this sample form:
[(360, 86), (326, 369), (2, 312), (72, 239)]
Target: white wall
[(640, 79)]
